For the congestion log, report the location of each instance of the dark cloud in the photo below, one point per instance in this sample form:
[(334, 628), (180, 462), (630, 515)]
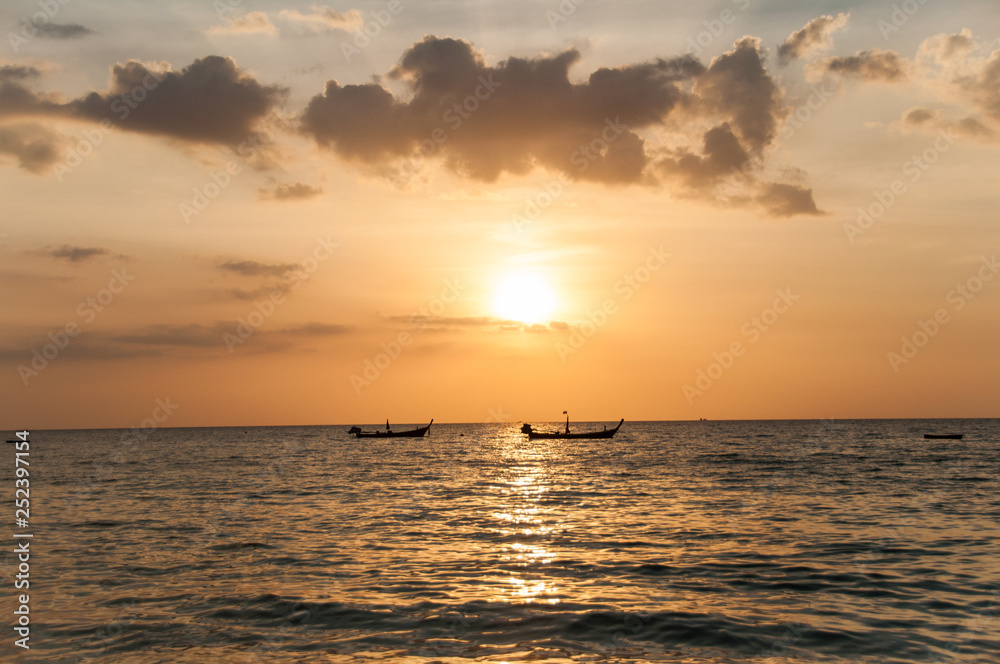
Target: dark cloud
[(316, 329), (256, 269), (35, 147), (527, 113), (291, 192), (63, 30), (18, 72), (721, 154), (870, 65), (482, 121), (193, 335), (919, 116), (74, 254), (815, 34), (787, 200), (263, 292), (738, 85), (172, 341), (210, 101)]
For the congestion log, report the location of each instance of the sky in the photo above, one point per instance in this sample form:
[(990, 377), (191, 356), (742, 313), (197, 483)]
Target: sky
[(238, 213)]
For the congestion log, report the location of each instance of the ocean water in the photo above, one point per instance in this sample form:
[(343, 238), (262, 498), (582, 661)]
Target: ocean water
[(803, 541)]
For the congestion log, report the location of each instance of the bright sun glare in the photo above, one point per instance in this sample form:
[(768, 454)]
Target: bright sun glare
[(525, 297)]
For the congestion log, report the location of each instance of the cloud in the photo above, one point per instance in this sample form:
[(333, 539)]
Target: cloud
[(210, 101), (291, 192), (252, 23), (191, 335), (871, 65), (316, 329), (737, 85), (816, 35), (969, 127), (256, 269), (63, 30), (721, 154), (483, 121), (322, 19), (983, 87), (964, 74), (35, 147), (947, 47), (527, 113), (787, 200), (74, 254), (18, 72)]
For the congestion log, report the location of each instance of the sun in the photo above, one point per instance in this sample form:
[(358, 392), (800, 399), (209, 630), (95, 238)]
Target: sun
[(524, 296)]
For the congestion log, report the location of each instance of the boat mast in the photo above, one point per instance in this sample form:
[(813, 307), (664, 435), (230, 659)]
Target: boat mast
[(567, 420)]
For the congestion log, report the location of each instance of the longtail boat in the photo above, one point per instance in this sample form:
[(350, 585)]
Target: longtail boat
[(389, 433), (567, 434)]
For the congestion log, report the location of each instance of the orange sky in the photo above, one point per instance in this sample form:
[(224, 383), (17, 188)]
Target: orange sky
[(268, 215)]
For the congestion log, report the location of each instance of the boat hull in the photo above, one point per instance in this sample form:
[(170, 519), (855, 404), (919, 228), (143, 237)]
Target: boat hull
[(944, 436), (413, 433), (544, 435)]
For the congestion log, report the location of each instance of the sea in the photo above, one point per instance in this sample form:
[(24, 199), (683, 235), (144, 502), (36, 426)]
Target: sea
[(699, 542)]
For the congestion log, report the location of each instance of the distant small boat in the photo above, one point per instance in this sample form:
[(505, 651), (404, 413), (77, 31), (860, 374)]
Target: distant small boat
[(389, 433), (563, 435), (944, 436)]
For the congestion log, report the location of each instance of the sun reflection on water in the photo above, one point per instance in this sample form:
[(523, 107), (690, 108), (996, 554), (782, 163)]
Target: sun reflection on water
[(524, 523)]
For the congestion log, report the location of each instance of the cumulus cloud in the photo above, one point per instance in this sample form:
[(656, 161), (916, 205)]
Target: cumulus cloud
[(483, 121), (291, 192), (210, 101), (947, 47), (816, 35), (252, 23), (871, 65)]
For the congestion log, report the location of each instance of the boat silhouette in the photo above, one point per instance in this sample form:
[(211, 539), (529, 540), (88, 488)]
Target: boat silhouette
[(389, 433), (567, 434)]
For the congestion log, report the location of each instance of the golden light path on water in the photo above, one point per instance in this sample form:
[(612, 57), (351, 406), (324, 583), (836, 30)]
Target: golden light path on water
[(523, 485)]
